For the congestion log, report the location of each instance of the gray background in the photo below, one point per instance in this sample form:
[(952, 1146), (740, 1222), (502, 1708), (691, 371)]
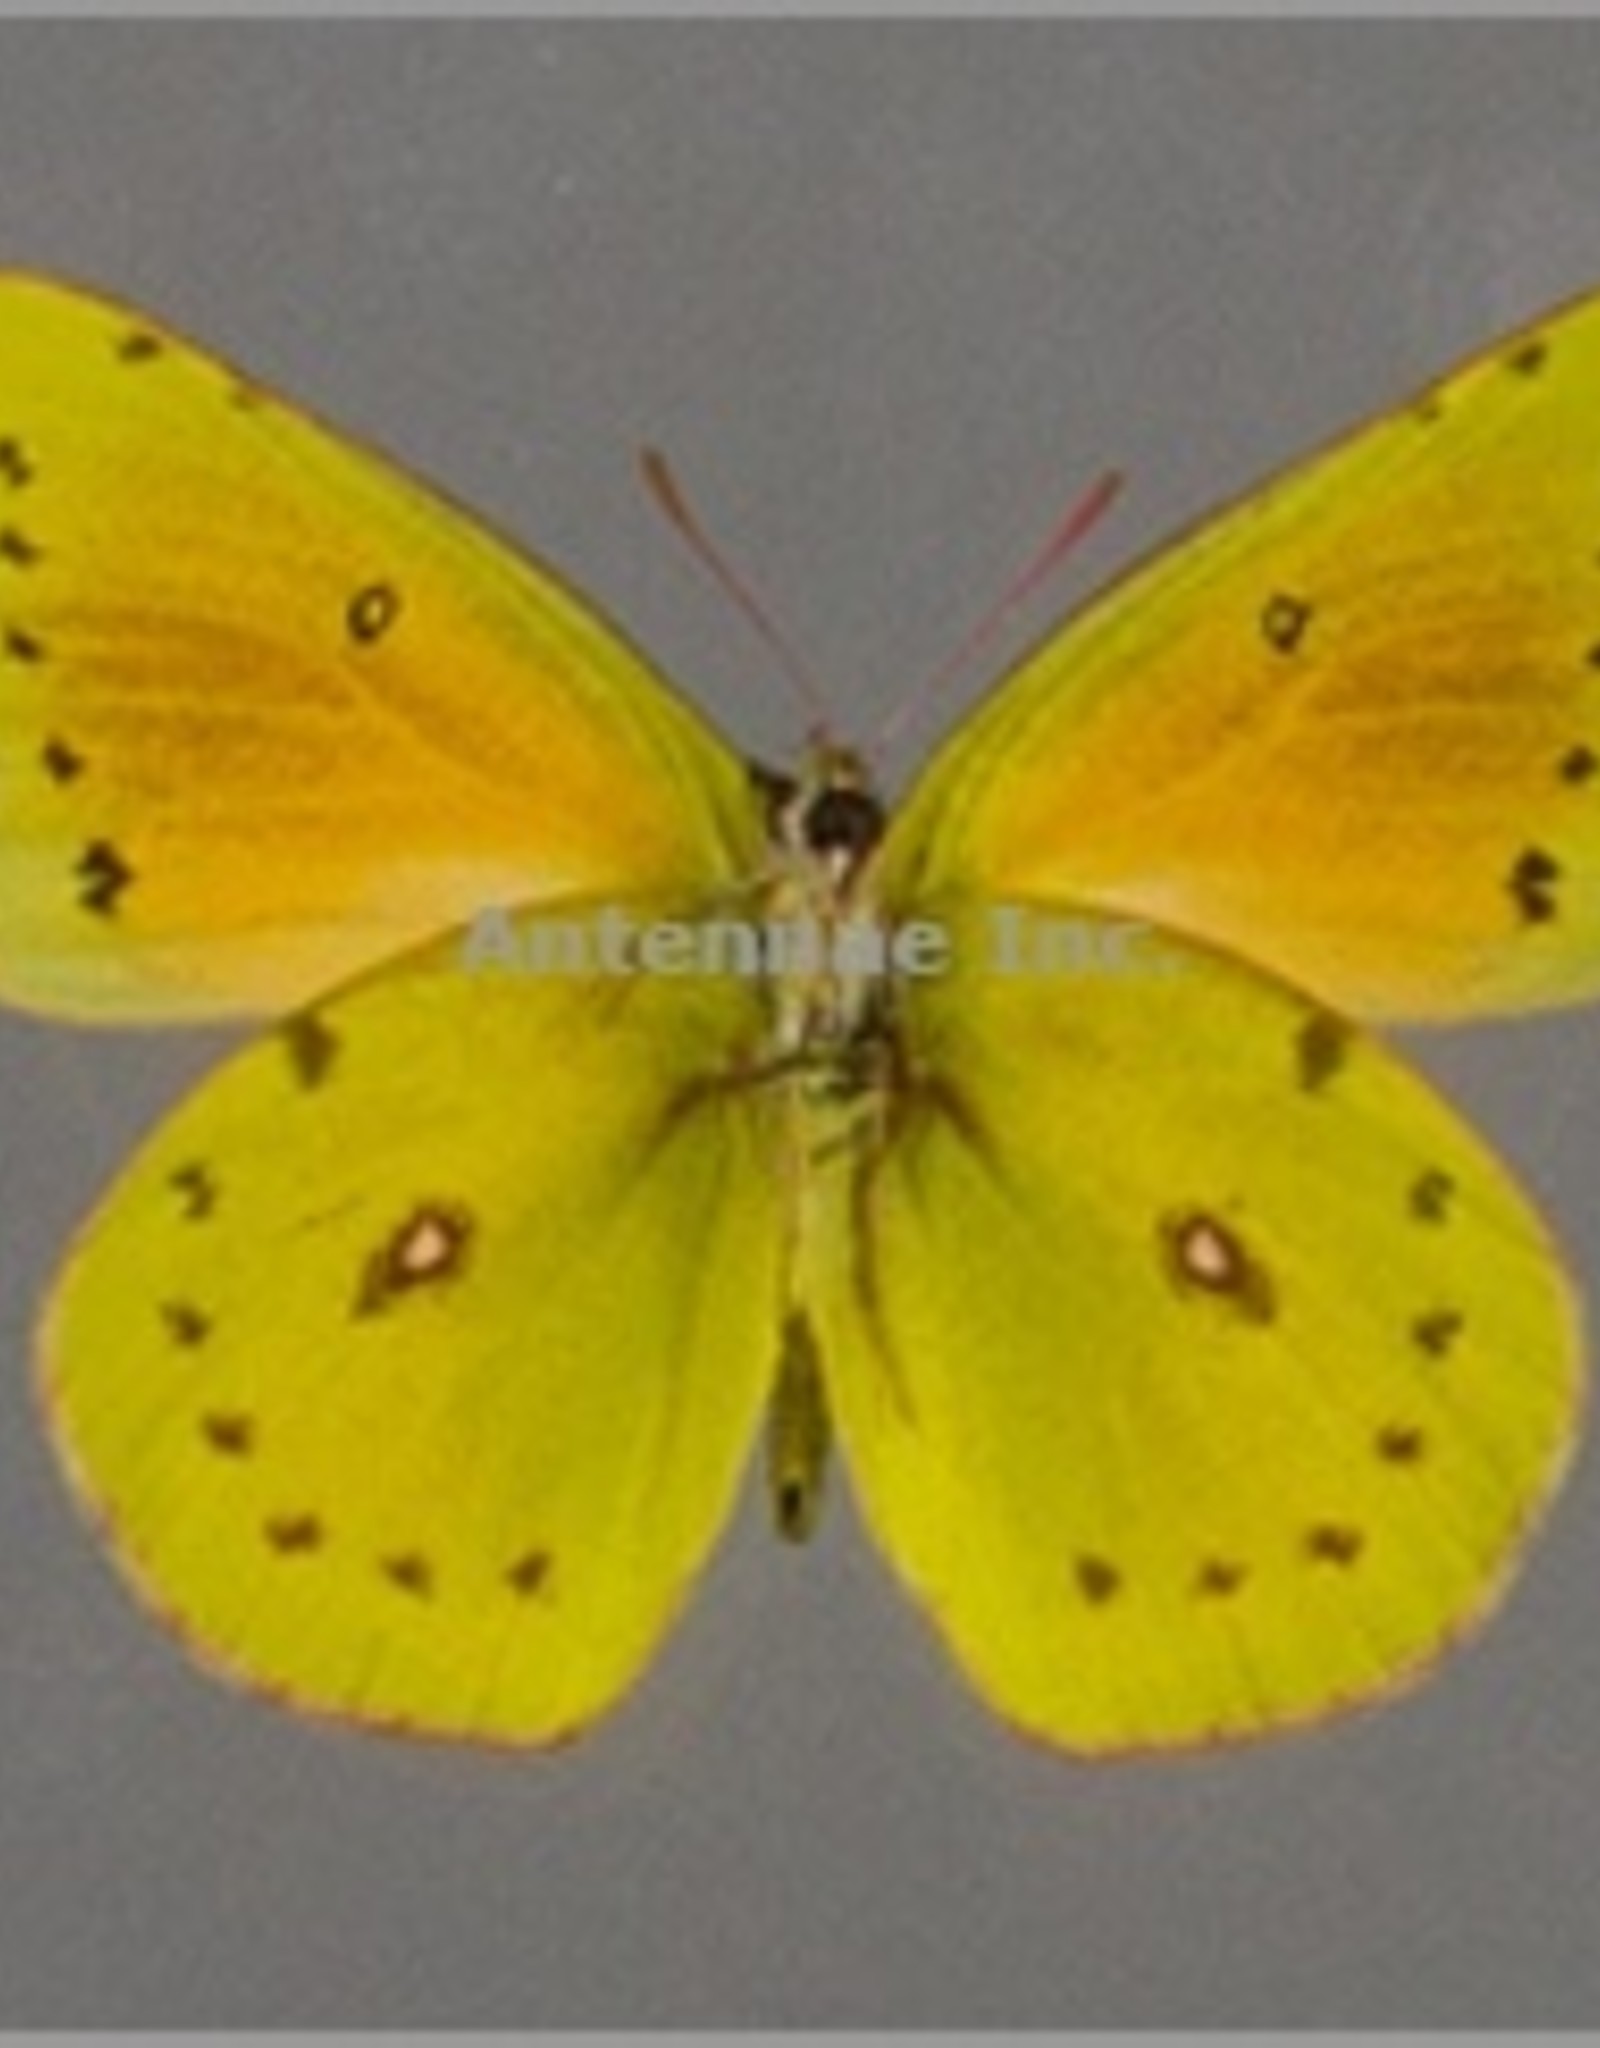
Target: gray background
[(889, 295)]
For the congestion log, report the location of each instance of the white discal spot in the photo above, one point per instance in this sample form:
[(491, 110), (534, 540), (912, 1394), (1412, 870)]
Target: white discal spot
[(427, 1245), (1208, 1255), (1205, 1256)]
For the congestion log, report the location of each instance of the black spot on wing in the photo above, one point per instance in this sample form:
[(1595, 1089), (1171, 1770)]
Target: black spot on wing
[(1438, 1331), (1219, 1578), (530, 1574), (1097, 1579), (1334, 1543), (296, 1535), (105, 877), (312, 1046), (196, 1190), (61, 761), (1400, 1443), (1432, 1196), (230, 1433), (1285, 621), (409, 1572), (18, 549), (1532, 885), (187, 1325), (16, 465), (137, 345), (1322, 1047), (371, 611)]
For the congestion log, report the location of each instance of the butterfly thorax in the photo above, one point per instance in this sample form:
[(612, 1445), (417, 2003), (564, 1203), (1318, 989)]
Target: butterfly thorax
[(824, 827)]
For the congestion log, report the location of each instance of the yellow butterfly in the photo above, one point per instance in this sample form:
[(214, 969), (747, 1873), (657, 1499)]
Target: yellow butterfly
[(1197, 1369)]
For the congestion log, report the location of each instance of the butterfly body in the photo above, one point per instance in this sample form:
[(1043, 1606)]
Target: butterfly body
[(1196, 1367), (824, 827)]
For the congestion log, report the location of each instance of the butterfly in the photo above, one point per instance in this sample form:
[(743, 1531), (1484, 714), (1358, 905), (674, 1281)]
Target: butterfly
[(1196, 1367)]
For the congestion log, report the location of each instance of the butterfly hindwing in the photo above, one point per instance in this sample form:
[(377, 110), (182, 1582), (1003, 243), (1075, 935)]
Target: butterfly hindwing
[(1197, 1368), (414, 1361)]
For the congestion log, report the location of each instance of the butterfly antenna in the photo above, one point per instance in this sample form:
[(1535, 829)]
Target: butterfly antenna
[(665, 489), (1079, 518)]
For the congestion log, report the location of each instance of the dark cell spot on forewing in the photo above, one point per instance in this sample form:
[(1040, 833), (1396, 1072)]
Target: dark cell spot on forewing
[(62, 763), (410, 1572), (1529, 357), (21, 645), (230, 1435), (1438, 1331), (1284, 621), (1322, 1046), (105, 876), (530, 1574), (1097, 1578), (1579, 764), (196, 1190), (294, 1535), (312, 1047), (1433, 1195), (1532, 884), (371, 611), (186, 1325), (1335, 1543), (1205, 1256), (428, 1249)]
